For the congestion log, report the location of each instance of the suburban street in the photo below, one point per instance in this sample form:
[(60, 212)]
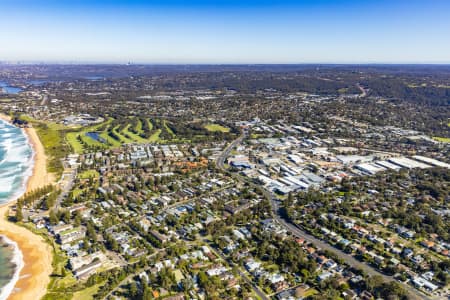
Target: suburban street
[(349, 259), (129, 277), (255, 288)]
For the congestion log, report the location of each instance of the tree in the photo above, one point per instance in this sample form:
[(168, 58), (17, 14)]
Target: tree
[(111, 243), (146, 292), (305, 274), (290, 199), (166, 278), (203, 279), (442, 276), (374, 282), (392, 290), (53, 218), (19, 214), (66, 216), (91, 231), (77, 219), (187, 284), (133, 290), (86, 243)]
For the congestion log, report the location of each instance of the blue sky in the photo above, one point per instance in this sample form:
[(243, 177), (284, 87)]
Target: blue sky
[(200, 31)]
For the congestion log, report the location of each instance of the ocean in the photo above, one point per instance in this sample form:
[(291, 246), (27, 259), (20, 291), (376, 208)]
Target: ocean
[(11, 262), (16, 162)]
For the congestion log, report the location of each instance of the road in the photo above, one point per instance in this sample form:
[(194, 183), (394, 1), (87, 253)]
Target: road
[(131, 276), (226, 152), (363, 91), (44, 100), (349, 259), (72, 174)]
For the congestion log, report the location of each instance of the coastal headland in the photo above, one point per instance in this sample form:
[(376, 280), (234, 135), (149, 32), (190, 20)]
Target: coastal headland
[(37, 254)]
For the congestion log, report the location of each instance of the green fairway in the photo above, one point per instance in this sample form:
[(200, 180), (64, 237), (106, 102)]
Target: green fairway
[(121, 136), (150, 124), (136, 138), (129, 130), (90, 142), (110, 141), (138, 127), (155, 137), (169, 130), (72, 139), (216, 127)]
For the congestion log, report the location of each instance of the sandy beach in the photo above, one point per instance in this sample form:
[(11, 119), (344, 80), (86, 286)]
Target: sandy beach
[(37, 254)]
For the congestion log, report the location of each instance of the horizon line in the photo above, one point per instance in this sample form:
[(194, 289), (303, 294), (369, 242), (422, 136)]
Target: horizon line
[(215, 63)]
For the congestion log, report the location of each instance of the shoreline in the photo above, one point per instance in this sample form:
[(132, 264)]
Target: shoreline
[(34, 277), (17, 260)]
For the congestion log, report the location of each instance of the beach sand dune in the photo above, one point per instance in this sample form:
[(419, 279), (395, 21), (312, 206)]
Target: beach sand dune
[(37, 254)]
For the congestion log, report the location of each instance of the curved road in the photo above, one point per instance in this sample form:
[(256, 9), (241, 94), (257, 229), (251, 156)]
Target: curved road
[(349, 259)]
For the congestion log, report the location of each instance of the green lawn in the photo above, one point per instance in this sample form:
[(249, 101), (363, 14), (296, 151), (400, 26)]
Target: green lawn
[(150, 124), (79, 142), (442, 139), (138, 127), (172, 134), (51, 136), (256, 136), (122, 137), (216, 127), (90, 142), (87, 293), (60, 286), (72, 139), (310, 292), (112, 142), (155, 136), (76, 193), (89, 174), (134, 136), (77, 146)]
